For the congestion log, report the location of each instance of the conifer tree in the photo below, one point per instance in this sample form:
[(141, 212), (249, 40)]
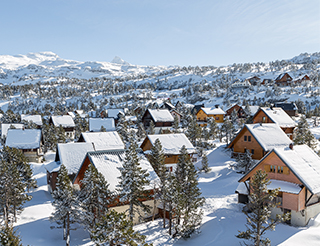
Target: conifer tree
[(141, 133), (151, 129), (213, 128), (302, 134), (122, 128), (64, 202), (93, 197), (176, 124), (132, 182), (204, 163), (114, 229), (193, 131), (187, 198), (260, 205), (8, 236), (61, 134), (49, 137), (245, 161)]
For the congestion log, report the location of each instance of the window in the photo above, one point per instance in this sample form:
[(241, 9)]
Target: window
[(263, 119), (245, 138), (280, 169), (249, 138), (272, 168), (252, 151), (217, 118)]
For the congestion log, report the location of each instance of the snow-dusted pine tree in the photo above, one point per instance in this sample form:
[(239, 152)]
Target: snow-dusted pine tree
[(187, 198), (122, 128), (114, 229), (193, 131), (93, 197), (64, 203), (260, 205), (132, 183), (303, 135), (8, 236), (204, 163), (245, 162)]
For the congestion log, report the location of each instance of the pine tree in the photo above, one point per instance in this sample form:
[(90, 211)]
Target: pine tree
[(61, 134), (64, 202), (49, 137), (176, 124), (151, 129), (261, 202), (8, 236), (132, 182), (228, 130), (141, 133), (204, 163), (187, 198), (157, 160), (193, 131), (302, 134), (213, 128), (114, 230), (122, 129), (93, 197), (245, 161)]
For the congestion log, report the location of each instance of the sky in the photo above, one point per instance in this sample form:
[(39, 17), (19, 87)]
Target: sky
[(166, 32)]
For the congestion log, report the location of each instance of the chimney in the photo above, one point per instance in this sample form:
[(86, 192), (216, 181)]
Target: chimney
[(291, 146), (271, 107), (217, 105), (93, 146)]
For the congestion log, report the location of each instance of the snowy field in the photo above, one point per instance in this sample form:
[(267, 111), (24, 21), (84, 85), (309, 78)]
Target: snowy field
[(221, 222)]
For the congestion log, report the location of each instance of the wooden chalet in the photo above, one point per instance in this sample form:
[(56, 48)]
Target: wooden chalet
[(275, 115), (71, 156), (109, 163), (303, 79), (204, 113), (283, 79), (161, 118), (196, 109), (296, 171), (171, 145), (36, 119), (258, 139), (66, 122), (172, 109), (102, 140), (254, 80), (6, 126), (290, 108), (29, 141)]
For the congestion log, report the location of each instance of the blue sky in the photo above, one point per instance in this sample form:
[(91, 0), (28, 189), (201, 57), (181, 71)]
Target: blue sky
[(163, 32)]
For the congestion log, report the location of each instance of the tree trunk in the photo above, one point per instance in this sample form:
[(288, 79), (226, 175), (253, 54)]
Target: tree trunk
[(170, 219), (64, 229), (68, 230), (164, 215)]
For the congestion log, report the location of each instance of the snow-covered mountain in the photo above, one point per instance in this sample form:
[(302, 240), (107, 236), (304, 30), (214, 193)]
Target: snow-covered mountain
[(44, 66)]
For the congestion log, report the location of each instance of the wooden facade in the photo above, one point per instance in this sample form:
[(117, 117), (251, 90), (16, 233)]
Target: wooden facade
[(283, 80), (147, 118), (238, 109), (203, 117)]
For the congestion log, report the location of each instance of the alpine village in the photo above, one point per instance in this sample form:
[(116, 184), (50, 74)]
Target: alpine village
[(119, 154)]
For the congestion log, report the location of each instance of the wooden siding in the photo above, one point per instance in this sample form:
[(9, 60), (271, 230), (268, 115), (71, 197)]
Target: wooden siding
[(202, 116)]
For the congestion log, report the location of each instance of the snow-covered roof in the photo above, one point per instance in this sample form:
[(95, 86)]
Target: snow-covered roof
[(72, 114), (34, 118), (5, 127), (304, 163), (269, 135), (131, 117), (242, 189), (279, 116), (63, 120), (96, 123), (109, 162), (72, 154), (23, 139), (172, 143), (213, 110), (103, 140), (113, 112), (161, 115), (254, 109), (284, 186)]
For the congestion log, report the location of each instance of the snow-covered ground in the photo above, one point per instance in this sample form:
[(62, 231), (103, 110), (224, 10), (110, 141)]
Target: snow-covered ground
[(221, 222)]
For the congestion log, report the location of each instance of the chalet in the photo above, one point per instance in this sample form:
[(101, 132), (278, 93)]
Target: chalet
[(66, 122), (174, 112), (71, 156), (241, 84), (253, 80), (36, 119), (171, 145), (113, 113), (6, 126), (296, 171), (161, 118), (102, 140), (258, 139), (95, 124), (283, 79), (241, 110), (290, 108), (267, 82), (275, 115), (303, 79), (216, 112), (196, 109), (109, 163), (29, 141)]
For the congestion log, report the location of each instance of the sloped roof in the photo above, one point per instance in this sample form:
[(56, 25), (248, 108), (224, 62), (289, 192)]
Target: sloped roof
[(279, 116), (96, 123), (253, 109), (213, 110), (113, 112), (269, 135), (172, 143), (304, 163), (280, 76), (34, 118), (103, 140), (109, 162), (63, 120), (286, 105), (6, 126), (161, 115), (72, 154), (23, 139)]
